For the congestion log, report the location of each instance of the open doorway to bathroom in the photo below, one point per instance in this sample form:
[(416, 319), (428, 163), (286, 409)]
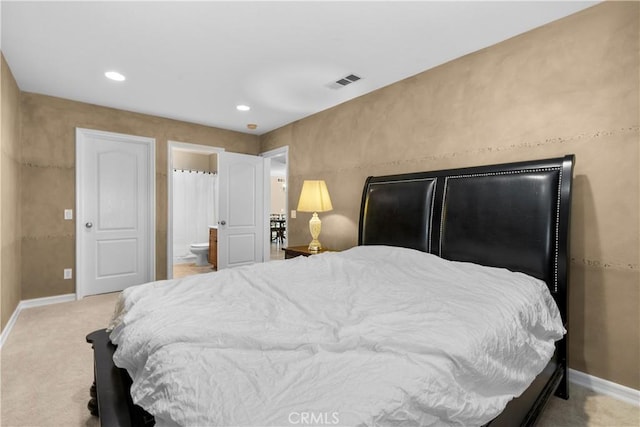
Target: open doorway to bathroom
[(193, 211), (278, 216)]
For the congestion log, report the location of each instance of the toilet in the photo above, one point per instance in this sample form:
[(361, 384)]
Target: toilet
[(201, 251)]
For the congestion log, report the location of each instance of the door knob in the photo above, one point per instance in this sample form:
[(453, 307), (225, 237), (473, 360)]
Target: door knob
[(223, 222), (89, 225)]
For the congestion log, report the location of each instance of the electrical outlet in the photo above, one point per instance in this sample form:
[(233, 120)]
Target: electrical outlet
[(68, 273)]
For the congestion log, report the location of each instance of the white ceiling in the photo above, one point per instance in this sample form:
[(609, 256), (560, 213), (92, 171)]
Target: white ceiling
[(196, 61)]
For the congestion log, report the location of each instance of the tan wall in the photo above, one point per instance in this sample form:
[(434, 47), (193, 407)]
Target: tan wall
[(569, 87), (191, 161), (9, 194), (48, 176)]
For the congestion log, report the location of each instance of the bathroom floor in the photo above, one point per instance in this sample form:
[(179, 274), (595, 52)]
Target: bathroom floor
[(189, 269)]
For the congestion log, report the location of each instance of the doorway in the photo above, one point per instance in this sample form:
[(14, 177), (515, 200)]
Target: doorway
[(192, 207), (278, 214), (238, 232)]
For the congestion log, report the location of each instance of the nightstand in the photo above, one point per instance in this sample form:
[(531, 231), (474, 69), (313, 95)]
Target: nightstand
[(294, 251)]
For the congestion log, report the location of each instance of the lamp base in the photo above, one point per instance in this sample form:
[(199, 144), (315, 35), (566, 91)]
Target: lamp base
[(315, 246), (314, 226)]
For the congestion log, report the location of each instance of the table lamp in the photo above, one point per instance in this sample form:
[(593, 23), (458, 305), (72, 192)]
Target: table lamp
[(314, 197)]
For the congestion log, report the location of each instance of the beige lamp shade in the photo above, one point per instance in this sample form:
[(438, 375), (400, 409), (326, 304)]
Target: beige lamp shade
[(314, 197)]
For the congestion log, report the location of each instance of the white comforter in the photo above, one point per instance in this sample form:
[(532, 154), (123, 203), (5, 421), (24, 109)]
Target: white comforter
[(374, 336)]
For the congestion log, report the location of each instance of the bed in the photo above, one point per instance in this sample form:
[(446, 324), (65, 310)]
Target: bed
[(498, 218)]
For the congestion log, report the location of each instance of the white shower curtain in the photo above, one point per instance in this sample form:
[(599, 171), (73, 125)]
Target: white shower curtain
[(194, 209)]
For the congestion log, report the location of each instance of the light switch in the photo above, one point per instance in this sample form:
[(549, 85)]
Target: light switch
[(68, 214), (293, 214), (68, 273)]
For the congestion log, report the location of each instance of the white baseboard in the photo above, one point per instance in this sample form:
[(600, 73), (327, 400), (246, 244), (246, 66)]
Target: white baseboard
[(29, 303), (7, 329), (37, 302), (608, 388)]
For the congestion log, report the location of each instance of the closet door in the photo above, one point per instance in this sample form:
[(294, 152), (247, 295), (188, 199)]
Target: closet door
[(115, 206)]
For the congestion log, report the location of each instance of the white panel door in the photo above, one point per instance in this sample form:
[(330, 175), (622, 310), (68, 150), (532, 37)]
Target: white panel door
[(242, 221), (115, 211)]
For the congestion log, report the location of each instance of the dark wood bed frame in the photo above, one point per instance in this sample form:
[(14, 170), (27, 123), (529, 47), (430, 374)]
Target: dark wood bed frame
[(514, 215)]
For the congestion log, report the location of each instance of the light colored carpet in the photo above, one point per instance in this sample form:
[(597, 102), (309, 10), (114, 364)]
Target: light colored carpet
[(47, 365), (47, 371)]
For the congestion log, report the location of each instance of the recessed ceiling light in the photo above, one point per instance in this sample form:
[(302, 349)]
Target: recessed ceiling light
[(252, 126), (243, 107), (114, 75)]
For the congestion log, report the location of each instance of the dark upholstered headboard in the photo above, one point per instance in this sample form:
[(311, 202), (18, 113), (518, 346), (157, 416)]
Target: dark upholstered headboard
[(513, 215)]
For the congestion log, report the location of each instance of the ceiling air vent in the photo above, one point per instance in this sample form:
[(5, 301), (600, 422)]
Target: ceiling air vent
[(351, 78)]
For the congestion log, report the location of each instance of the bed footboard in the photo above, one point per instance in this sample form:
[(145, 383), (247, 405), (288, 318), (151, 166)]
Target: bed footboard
[(110, 398)]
